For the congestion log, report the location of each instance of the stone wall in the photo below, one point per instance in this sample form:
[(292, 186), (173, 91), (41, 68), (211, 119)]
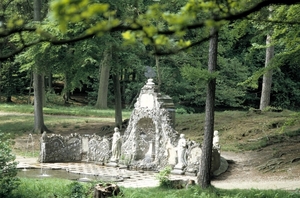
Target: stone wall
[(57, 148)]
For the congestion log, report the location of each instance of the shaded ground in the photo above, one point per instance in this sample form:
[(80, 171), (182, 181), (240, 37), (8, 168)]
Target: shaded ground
[(276, 166)]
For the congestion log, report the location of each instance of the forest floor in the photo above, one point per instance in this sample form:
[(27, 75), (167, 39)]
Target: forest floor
[(276, 166), (261, 151)]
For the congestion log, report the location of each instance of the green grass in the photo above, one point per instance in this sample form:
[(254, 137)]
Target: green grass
[(16, 125), (238, 130), (20, 124), (242, 130), (42, 188), (67, 117), (50, 187), (87, 111)]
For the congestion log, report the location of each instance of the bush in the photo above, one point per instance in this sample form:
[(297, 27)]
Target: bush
[(8, 168), (181, 111), (163, 177), (77, 190)]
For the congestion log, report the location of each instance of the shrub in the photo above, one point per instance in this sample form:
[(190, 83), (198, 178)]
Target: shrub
[(163, 177), (77, 190), (8, 168), (181, 111)]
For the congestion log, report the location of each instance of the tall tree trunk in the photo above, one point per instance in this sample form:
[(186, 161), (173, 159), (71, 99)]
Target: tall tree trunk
[(39, 125), (38, 81), (30, 86), (158, 73), (0, 80), (66, 94), (124, 83), (267, 78), (104, 79), (204, 175), (50, 82), (9, 85), (43, 90), (118, 101)]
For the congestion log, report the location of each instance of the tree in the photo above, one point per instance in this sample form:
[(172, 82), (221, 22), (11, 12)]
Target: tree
[(118, 101), (267, 78), (138, 27), (38, 84), (104, 76), (204, 175)]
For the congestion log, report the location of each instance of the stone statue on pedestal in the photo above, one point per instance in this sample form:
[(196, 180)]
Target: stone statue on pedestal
[(181, 152), (116, 145), (216, 141)]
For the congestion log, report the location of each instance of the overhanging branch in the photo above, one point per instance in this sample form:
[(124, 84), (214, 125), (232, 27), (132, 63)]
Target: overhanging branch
[(123, 27)]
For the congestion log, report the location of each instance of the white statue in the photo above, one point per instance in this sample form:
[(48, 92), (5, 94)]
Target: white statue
[(216, 140), (181, 152), (116, 145)]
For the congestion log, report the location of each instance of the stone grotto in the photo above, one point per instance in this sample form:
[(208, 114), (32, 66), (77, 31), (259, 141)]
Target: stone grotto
[(150, 141)]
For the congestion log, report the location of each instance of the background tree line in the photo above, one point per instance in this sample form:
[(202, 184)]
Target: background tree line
[(241, 53)]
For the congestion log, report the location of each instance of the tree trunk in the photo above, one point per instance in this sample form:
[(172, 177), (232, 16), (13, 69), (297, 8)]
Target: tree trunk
[(158, 73), (204, 175), (43, 90), (50, 88), (37, 7), (104, 79), (39, 125), (30, 86), (118, 101), (9, 86), (66, 91), (38, 81), (0, 80), (267, 78), (124, 83)]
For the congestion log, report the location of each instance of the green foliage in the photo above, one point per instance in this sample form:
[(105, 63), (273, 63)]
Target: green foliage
[(163, 177), (54, 99), (291, 121), (197, 76), (40, 188), (77, 190), (8, 168), (274, 109), (197, 192), (181, 111), (12, 81)]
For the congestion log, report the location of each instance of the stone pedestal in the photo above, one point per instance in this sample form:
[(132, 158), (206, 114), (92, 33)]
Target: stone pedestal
[(112, 164), (178, 171)]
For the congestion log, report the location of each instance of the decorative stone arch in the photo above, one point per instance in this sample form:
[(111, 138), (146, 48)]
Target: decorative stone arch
[(150, 128)]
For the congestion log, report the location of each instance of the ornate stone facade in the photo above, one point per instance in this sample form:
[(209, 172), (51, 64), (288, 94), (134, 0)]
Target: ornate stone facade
[(57, 148), (149, 130), (150, 141)]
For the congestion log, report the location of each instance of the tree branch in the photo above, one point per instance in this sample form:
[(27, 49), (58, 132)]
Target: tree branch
[(170, 52), (16, 30), (123, 27), (240, 15)]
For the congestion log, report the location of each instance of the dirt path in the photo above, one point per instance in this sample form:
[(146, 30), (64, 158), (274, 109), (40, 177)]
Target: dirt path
[(243, 173)]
